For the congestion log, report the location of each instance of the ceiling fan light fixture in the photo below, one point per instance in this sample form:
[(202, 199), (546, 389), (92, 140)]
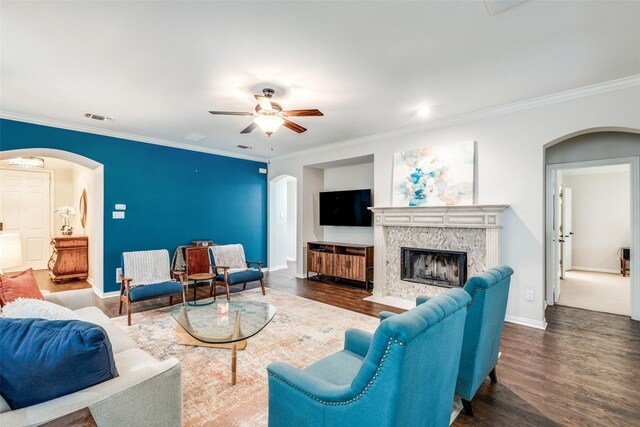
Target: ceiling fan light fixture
[(269, 123)]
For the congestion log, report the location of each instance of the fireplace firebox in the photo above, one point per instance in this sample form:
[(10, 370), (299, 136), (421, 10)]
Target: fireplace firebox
[(434, 267)]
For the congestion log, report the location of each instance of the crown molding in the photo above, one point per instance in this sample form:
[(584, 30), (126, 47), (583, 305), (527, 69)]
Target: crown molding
[(123, 135), (540, 101)]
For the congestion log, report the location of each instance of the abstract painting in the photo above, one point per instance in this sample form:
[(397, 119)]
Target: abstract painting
[(435, 176)]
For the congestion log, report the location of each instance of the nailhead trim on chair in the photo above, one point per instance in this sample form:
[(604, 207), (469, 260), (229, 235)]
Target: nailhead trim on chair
[(353, 399)]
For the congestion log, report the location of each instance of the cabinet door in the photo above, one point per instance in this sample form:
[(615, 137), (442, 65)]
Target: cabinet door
[(320, 262), (327, 263), (350, 267)]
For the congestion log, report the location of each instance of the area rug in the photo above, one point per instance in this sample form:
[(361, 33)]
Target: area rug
[(302, 332)]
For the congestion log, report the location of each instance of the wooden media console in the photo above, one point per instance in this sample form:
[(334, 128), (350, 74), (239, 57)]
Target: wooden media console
[(341, 260)]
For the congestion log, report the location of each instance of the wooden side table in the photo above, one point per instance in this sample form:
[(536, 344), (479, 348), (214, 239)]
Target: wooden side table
[(625, 258), (69, 259)]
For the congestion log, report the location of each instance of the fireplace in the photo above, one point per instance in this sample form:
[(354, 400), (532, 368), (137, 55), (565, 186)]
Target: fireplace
[(434, 267)]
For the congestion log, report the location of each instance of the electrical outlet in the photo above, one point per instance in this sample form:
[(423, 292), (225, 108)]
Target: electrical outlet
[(531, 295), (118, 273)]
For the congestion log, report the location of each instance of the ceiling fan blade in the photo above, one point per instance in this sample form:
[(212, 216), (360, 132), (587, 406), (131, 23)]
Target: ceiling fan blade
[(293, 126), (264, 102), (313, 112), (231, 113), (249, 128)]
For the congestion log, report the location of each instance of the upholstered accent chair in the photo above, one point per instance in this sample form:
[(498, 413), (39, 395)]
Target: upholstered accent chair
[(147, 275), (489, 292), (402, 375), (483, 331), (232, 268)]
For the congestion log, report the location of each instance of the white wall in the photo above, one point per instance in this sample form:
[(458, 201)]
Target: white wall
[(354, 177), (510, 170), (600, 219), (291, 219), (83, 178), (62, 192), (309, 230), (282, 221)]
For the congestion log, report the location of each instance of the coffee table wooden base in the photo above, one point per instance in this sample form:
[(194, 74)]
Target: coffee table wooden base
[(184, 338)]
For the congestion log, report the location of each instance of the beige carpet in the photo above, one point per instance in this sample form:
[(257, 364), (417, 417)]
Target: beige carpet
[(606, 292), (302, 332)]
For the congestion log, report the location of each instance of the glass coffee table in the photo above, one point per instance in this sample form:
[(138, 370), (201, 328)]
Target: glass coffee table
[(222, 324)]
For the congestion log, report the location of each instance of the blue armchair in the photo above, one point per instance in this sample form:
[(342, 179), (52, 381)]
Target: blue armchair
[(402, 375), (489, 292), (231, 268), (146, 275)]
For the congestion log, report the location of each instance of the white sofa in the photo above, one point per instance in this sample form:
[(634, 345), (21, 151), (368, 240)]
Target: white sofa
[(147, 392)]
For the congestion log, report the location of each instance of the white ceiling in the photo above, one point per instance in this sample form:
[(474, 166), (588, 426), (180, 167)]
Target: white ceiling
[(158, 67)]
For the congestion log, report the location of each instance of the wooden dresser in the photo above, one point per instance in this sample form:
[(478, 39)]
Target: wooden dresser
[(70, 258), (341, 260)]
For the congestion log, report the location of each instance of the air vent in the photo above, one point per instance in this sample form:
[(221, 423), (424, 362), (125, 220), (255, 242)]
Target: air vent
[(97, 117), (195, 137), (244, 147)]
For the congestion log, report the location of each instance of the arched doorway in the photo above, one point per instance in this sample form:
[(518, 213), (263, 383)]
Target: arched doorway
[(581, 155), (94, 202), (282, 221)]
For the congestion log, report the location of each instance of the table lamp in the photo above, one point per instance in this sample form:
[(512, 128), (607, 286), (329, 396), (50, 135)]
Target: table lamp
[(10, 251)]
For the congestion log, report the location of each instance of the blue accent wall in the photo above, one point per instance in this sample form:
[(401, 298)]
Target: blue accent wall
[(173, 196)]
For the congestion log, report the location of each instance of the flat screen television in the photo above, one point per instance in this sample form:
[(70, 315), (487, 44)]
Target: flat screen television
[(346, 208)]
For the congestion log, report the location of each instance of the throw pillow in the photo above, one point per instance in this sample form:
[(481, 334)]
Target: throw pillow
[(46, 359), (22, 285), (23, 308)]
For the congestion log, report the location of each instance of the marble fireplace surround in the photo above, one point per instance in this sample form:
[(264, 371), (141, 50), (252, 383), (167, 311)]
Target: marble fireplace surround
[(474, 229)]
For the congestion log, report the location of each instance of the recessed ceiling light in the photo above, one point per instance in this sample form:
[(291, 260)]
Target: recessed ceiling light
[(195, 137), (423, 111), (97, 117)]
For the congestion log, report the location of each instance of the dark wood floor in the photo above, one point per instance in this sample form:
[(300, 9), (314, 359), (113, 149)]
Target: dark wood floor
[(584, 370)]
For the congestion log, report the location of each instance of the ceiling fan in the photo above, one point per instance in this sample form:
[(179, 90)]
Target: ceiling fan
[(269, 115)]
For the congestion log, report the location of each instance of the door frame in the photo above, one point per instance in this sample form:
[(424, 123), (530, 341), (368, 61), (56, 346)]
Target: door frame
[(551, 256)]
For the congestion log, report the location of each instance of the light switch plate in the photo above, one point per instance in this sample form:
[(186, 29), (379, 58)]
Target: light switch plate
[(531, 295), (121, 207), (262, 170), (118, 215)]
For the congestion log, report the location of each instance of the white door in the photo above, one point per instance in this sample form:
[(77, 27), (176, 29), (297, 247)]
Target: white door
[(24, 209), (566, 228)]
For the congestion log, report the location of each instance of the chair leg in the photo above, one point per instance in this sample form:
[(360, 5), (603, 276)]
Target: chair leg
[(493, 376), (262, 286), (128, 313), (244, 286), (171, 300), (227, 287), (466, 404), (120, 308)]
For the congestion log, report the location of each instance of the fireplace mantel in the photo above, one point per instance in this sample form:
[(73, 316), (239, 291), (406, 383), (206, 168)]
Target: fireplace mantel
[(475, 229), (459, 216)]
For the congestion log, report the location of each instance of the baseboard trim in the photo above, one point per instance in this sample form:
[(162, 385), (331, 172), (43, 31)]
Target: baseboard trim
[(524, 321), (277, 267), (596, 270), (306, 275), (104, 295), (291, 259)]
